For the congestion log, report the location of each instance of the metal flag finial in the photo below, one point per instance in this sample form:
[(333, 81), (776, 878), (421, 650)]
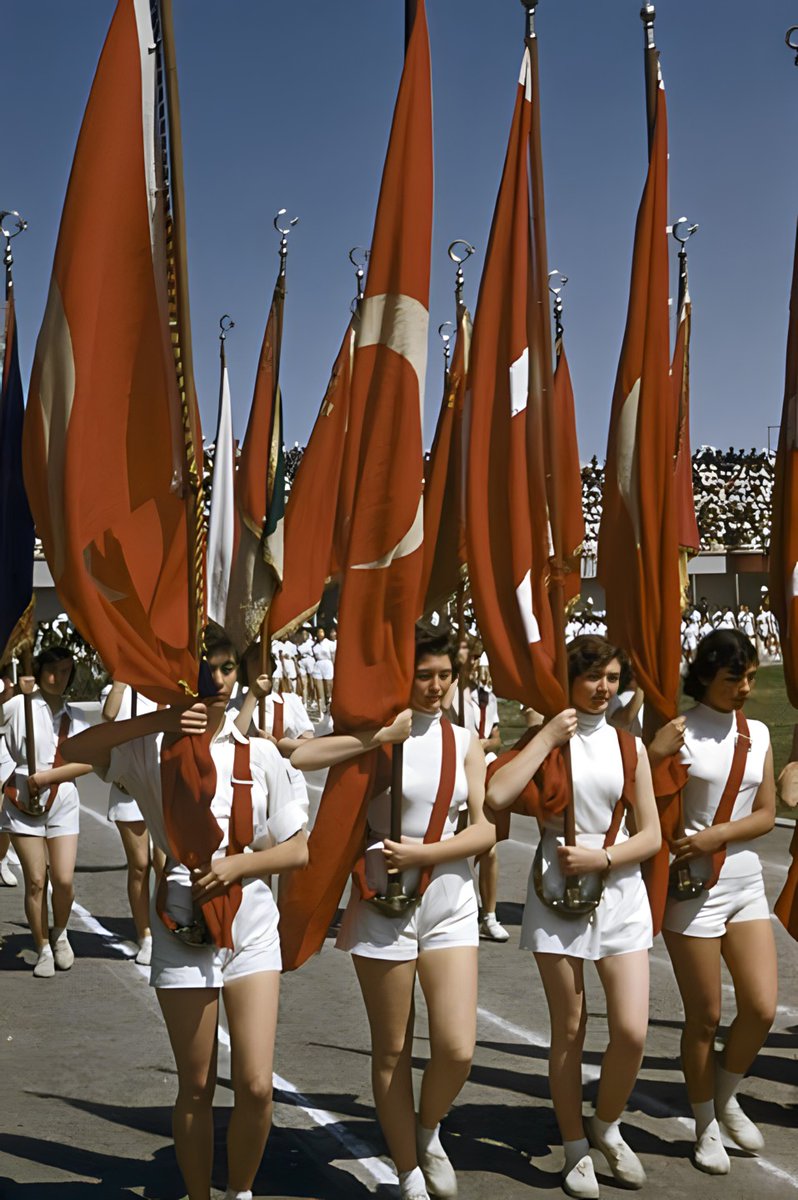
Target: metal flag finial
[(682, 231), (459, 259), (791, 41), (226, 323), (359, 256), (284, 235), (648, 15), (8, 233), (557, 282), (446, 337), (530, 6)]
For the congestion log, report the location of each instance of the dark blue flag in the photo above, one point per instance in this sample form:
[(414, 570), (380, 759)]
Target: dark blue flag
[(16, 522)]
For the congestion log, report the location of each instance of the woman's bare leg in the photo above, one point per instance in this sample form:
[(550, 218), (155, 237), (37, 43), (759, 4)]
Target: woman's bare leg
[(191, 1018), (696, 964), (251, 1005), (624, 978), (136, 844), (749, 950), (387, 989), (563, 983), (63, 853), (448, 979), (33, 860)]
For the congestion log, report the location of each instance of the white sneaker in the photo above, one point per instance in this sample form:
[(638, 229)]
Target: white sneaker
[(437, 1170), (709, 1154), (144, 956), (63, 953), (740, 1128), (490, 929), (581, 1180), (7, 876), (623, 1162), (45, 964)]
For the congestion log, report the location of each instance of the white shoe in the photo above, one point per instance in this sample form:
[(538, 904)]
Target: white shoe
[(7, 876), (45, 964), (437, 1170), (144, 956), (740, 1128), (62, 953), (490, 929), (581, 1180), (624, 1163), (709, 1154)]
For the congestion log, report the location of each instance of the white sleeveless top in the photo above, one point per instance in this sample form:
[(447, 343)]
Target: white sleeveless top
[(597, 769)]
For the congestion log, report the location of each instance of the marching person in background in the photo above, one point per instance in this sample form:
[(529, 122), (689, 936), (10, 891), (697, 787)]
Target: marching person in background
[(481, 712), (262, 833), (323, 651), (289, 656), (436, 939), (41, 812), (611, 778), (126, 815), (304, 643), (728, 802), (7, 690)]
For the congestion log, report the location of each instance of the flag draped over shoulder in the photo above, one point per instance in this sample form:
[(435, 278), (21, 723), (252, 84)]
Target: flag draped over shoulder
[(509, 391), (784, 563), (638, 551), (572, 520), (16, 523), (315, 515), (260, 492), (382, 548), (112, 428), (221, 524), (444, 485)]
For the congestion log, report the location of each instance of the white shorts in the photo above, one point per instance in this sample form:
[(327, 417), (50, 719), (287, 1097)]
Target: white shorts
[(289, 667), (322, 669), (306, 666), (175, 965), (733, 899), (445, 917), (62, 819), (122, 806)]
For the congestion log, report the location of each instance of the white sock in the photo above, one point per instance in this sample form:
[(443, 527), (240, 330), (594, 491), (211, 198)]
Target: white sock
[(726, 1084), (232, 1194), (609, 1131), (574, 1151), (704, 1114), (428, 1139), (410, 1181), (45, 950), (489, 916)]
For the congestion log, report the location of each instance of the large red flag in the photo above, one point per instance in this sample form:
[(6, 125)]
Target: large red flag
[(687, 526), (572, 518), (257, 569), (510, 389), (638, 553), (382, 550), (314, 512), (112, 428), (784, 563), (444, 483)]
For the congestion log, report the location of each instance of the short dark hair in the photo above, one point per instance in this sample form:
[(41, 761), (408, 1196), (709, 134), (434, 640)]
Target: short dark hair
[(589, 651), (217, 642), (53, 654), (432, 645), (723, 649)]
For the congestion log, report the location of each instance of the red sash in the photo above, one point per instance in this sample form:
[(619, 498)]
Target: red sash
[(220, 912), (483, 713), (10, 786), (742, 745), (437, 820), (278, 721)]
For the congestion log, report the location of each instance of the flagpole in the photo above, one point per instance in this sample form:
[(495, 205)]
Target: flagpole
[(648, 15)]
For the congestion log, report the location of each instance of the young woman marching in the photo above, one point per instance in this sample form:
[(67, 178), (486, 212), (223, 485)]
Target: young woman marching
[(41, 811), (610, 776), (728, 802), (253, 801), (437, 939), (126, 815)]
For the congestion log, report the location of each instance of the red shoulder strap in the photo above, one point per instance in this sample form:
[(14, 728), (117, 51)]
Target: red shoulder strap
[(742, 744), (278, 720), (627, 745)]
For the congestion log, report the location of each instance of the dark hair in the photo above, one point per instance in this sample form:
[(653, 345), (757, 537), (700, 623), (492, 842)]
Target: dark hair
[(723, 649), (217, 643), (589, 651), (430, 645), (54, 654)]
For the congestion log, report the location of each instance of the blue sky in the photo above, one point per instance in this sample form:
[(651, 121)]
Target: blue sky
[(289, 105)]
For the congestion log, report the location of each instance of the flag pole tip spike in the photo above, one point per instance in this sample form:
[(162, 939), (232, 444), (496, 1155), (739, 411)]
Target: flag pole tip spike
[(682, 230), (792, 41), (648, 13), (226, 323), (20, 222), (291, 223), (460, 258)]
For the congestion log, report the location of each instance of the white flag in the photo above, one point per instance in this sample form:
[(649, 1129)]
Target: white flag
[(221, 526)]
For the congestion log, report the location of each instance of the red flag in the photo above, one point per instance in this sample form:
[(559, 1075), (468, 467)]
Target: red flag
[(314, 512), (382, 549), (784, 563), (260, 492), (510, 388), (444, 494), (638, 555), (567, 466)]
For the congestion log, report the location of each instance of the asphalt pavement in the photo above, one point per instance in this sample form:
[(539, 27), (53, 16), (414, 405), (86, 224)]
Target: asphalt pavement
[(87, 1078)]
